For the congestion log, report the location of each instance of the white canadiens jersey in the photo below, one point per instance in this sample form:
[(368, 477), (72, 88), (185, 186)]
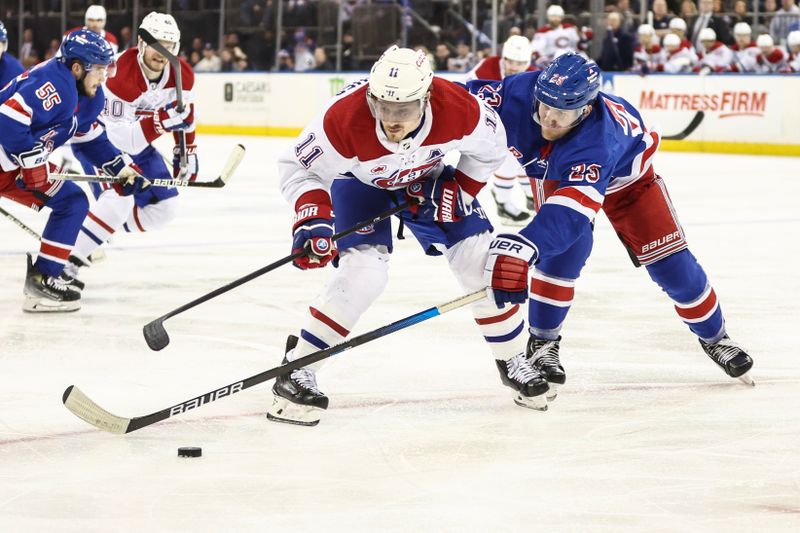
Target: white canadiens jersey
[(794, 62), (718, 57), (680, 61), (131, 97), (345, 141), (746, 59), (549, 43)]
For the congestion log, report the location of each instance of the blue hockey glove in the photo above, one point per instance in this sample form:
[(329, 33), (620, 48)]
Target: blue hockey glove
[(506, 271), (129, 174), (313, 229), (440, 197)]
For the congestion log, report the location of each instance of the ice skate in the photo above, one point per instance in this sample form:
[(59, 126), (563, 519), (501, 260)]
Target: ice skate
[(530, 388), (731, 358), (70, 274), (48, 294), (297, 398), (510, 213), (543, 355)]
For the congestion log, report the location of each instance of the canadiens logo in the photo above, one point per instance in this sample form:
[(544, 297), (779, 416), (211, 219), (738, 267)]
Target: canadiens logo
[(366, 230), (406, 176), (379, 169)]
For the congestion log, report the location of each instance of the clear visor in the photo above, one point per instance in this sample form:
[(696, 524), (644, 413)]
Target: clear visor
[(102, 71), (515, 67), (171, 47), (553, 118), (396, 111)]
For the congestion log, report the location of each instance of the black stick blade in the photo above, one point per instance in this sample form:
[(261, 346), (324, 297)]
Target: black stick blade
[(155, 335), (689, 129)]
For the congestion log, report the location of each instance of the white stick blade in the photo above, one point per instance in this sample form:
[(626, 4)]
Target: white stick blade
[(237, 154), (84, 408)]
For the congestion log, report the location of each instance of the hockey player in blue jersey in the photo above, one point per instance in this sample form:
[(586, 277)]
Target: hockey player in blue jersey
[(10, 67), (40, 110), (591, 151)]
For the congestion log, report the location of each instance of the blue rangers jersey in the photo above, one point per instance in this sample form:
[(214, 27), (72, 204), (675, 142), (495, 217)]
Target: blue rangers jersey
[(10, 68), (42, 106), (608, 151)]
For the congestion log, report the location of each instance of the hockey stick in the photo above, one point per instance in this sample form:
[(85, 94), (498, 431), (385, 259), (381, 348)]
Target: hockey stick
[(696, 120), (21, 224), (156, 335), (84, 408), (175, 63), (234, 159)]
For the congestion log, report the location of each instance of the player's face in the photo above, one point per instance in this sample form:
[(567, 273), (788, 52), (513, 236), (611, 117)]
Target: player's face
[(514, 67), (555, 122), (398, 119), (743, 40), (153, 60), (95, 77), (96, 25), (2, 48)]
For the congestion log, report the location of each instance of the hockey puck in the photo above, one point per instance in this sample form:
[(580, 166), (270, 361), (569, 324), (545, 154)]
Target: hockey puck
[(190, 452)]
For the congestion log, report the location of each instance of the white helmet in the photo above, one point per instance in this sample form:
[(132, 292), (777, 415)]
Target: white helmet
[(517, 48), (400, 75), (793, 39), (765, 41), (555, 11), (677, 24), (671, 40), (646, 29), (742, 28), (708, 34), (164, 28), (95, 13)]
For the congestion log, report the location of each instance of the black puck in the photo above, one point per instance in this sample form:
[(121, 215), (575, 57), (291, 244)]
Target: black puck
[(190, 451)]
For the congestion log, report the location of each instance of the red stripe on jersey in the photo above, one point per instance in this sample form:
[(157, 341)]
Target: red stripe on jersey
[(700, 309), (129, 83), (13, 104), (100, 223), (136, 218), (552, 291), (328, 321), (648, 154), (578, 196), (54, 251), (470, 186), (499, 318)]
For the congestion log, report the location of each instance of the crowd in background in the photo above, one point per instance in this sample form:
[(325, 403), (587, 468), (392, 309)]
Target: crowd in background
[(678, 36)]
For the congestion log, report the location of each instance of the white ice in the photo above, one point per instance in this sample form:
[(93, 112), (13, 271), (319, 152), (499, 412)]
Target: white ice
[(648, 435)]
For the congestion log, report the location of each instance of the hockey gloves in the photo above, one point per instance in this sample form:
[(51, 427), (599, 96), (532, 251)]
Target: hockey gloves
[(34, 169), (440, 198), (506, 271), (129, 174), (192, 166), (167, 119), (313, 229)]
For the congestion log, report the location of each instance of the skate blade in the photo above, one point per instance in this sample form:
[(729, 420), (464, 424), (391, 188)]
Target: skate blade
[(283, 410), (537, 403), (746, 379), (35, 304), (552, 393)]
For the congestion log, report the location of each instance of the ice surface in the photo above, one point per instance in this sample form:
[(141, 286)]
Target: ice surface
[(648, 435)]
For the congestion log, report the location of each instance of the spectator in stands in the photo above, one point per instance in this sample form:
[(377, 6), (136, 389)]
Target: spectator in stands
[(226, 60), (624, 9), (303, 51), (285, 63), (707, 19), (661, 18), (786, 19), (688, 10), (125, 38), (55, 44), (740, 14), (554, 38), (210, 62), (197, 46), (322, 63), (617, 54), (464, 59), (441, 56), (28, 55), (194, 58)]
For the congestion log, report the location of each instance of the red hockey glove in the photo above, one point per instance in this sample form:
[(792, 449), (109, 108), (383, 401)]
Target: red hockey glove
[(313, 229), (506, 271), (192, 166), (34, 169)]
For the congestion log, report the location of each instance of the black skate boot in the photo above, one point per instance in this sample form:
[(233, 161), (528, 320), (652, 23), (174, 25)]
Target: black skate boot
[(46, 294), (731, 358), (510, 213), (297, 398), (530, 388), (543, 355), (70, 274)]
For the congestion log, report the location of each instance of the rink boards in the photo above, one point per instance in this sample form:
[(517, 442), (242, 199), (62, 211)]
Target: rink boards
[(743, 114)]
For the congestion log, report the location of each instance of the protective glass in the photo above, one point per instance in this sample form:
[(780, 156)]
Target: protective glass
[(396, 111), (553, 118)]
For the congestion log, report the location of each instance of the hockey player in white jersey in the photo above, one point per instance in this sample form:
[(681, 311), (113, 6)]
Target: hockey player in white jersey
[(648, 54), (140, 107), (771, 58), (377, 143), (715, 57), (677, 59), (793, 61), (554, 38), (745, 51)]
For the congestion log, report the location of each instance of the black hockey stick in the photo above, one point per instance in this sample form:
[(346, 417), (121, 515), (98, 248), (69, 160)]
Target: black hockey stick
[(156, 335), (175, 64), (235, 157), (21, 224), (84, 408), (696, 120)]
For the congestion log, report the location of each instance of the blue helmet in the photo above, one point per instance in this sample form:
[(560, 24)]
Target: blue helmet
[(570, 82), (86, 46), (3, 33)]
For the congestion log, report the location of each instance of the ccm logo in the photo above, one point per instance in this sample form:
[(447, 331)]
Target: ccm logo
[(662, 241)]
